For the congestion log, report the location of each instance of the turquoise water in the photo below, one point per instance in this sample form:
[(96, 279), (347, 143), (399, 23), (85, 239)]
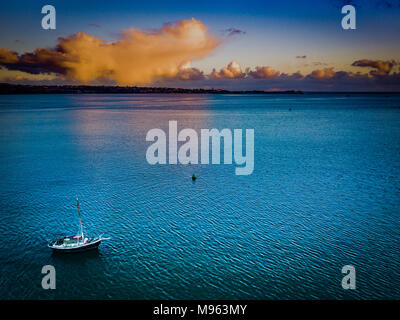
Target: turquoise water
[(324, 193)]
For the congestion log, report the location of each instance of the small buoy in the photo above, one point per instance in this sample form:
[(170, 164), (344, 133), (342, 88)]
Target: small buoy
[(194, 177)]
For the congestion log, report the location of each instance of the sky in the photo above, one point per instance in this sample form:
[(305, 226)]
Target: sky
[(236, 45)]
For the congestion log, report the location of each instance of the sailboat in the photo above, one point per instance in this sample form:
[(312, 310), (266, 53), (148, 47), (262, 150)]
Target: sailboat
[(75, 243)]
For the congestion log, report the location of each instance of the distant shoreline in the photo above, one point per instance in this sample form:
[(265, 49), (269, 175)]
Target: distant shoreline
[(7, 88)]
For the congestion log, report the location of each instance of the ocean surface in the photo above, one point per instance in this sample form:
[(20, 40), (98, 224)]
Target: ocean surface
[(325, 192)]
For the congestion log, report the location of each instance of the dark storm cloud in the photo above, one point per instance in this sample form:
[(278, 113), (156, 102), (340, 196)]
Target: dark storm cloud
[(40, 61)]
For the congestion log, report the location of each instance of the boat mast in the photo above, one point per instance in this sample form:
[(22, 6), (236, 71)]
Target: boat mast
[(79, 213)]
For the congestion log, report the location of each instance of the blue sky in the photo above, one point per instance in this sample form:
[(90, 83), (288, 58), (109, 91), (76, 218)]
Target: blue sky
[(273, 33)]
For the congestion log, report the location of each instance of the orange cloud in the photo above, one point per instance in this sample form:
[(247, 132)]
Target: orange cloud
[(326, 73), (7, 56), (140, 57), (264, 73), (187, 72), (382, 67), (232, 71)]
